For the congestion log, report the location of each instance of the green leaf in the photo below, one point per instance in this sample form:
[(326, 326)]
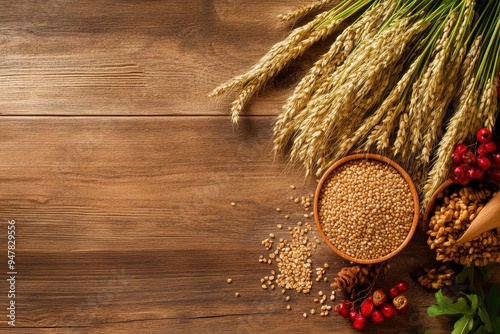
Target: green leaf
[(427, 331), (485, 272), (447, 306), (463, 325), (492, 300), (474, 302), (482, 330), (463, 275), (442, 299), (485, 318), (493, 307), (435, 310)]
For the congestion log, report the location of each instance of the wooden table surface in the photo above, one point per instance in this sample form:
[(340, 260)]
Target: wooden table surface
[(119, 172)]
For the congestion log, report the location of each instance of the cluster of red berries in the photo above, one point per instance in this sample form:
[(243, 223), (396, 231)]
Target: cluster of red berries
[(378, 306), (476, 166)]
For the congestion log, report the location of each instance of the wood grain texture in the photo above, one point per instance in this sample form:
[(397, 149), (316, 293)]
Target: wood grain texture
[(125, 224), (119, 172), (66, 57)]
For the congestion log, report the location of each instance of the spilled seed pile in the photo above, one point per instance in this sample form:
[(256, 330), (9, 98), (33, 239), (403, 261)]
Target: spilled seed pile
[(289, 252)]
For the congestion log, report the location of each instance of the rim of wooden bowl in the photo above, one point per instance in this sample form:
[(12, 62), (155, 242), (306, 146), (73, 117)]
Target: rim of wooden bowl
[(406, 177), (446, 184)]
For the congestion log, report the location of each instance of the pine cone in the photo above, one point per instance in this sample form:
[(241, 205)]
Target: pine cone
[(358, 275), (347, 279)]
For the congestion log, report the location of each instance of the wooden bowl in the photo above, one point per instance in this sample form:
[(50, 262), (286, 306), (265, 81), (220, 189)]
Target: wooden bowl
[(432, 201), (405, 176), (430, 206)]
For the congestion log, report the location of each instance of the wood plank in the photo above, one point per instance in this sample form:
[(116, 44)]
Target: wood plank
[(66, 57), (124, 224)]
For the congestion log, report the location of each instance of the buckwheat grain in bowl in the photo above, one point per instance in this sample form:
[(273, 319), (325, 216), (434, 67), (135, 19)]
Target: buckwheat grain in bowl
[(366, 208)]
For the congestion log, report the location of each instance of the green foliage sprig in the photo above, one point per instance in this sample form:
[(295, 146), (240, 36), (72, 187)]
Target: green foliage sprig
[(474, 312)]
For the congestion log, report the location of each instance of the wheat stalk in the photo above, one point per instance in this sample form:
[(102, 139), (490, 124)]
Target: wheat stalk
[(304, 10), (377, 56), (388, 105), (459, 125), (316, 81), (280, 54)]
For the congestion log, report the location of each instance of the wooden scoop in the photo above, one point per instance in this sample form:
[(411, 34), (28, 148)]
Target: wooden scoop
[(487, 219)]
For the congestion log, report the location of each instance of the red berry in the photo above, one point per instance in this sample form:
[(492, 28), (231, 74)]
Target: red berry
[(402, 286), (483, 135), (377, 317), (347, 303), (490, 147), (343, 308), (481, 151), (460, 149), (352, 315), (379, 297), (483, 163), (469, 158), (494, 174), (496, 158), (464, 181), (474, 173), (393, 292), (458, 174), (367, 307), (388, 310), (359, 322), (457, 159)]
